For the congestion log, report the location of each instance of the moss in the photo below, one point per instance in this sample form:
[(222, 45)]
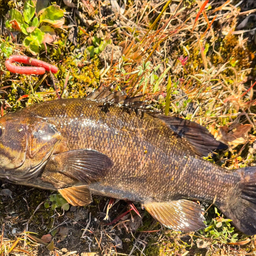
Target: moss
[(152, 248)]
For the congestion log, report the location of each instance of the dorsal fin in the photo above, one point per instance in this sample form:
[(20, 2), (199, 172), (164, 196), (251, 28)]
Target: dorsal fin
[(201, 140), (108, 97)]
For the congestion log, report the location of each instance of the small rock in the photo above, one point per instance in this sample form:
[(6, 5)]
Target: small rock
[(46, 238), (63, 232), (6, 192)]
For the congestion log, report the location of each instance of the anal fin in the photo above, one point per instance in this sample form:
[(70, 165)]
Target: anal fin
[(180, 215), (76, 196)]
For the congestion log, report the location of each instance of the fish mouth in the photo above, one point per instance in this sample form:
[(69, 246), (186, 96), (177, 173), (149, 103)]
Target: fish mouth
[(30, 174)]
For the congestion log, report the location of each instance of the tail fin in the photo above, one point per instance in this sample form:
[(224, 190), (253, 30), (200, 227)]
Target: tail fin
[(240, 204)]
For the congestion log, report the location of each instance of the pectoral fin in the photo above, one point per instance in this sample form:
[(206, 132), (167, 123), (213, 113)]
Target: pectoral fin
[(180, 215), (76, 196), (82, 165)]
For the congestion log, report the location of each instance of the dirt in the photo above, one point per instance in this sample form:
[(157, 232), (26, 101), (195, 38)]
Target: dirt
[(73, 232)]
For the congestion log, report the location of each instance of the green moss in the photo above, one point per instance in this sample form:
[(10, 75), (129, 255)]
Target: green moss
[(152, 248)]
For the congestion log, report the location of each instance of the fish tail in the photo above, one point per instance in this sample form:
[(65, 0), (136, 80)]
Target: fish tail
[(240, 203)]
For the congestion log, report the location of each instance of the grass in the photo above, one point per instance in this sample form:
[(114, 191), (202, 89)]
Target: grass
[(186, 58)]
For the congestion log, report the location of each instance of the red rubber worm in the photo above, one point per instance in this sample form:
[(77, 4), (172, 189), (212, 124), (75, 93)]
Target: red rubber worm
[(39, 66)]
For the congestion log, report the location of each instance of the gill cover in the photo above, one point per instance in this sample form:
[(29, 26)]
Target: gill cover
[(26, 143), (13, 144)]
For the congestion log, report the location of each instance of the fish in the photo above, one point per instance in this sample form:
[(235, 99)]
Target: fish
[(84, 147)]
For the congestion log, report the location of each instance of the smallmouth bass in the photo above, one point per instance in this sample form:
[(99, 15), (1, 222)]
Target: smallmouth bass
[(80, 148)]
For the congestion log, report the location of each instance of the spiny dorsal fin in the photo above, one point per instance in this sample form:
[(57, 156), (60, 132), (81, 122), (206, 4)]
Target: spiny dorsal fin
[(84, 165), (76, 196), (201, 140), (108, 97), (180, 215)]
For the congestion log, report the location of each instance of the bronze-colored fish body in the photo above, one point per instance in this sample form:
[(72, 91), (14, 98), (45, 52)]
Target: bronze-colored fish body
[(79, 147)]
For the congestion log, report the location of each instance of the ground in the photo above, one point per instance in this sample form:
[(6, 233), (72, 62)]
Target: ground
[(194, 59)]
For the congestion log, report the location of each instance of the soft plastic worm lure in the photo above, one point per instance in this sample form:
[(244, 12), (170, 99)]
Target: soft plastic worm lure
[(39, 66)]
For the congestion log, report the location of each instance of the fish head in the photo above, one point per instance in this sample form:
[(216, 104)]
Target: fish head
[(26, 144)]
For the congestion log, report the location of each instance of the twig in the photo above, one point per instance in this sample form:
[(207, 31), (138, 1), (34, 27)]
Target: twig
[(55, 87), (87, 226)]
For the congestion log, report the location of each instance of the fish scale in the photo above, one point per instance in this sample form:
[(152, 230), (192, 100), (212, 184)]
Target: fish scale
[(79, 147)]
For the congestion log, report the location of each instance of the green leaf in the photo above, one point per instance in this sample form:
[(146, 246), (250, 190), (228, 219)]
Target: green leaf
[(24, 27), (52, 197), (216, 211), (156, 86), (208, 228), (16, 22), (61, 201), (147, 65), (27, 41), (29, 10), (157, 67), (167, 102), (6, 50), (35, 22), (103, 45), (38, 35), (153, 78), (33, 43), (47, 29), (65, 207), (53, 15), (46, 205), (54, 232), (54, 206), (140, 71), (96, 41), (34, 47), (8, 24), (90, 49), (145, 84), (97, 50), (16, 15)]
